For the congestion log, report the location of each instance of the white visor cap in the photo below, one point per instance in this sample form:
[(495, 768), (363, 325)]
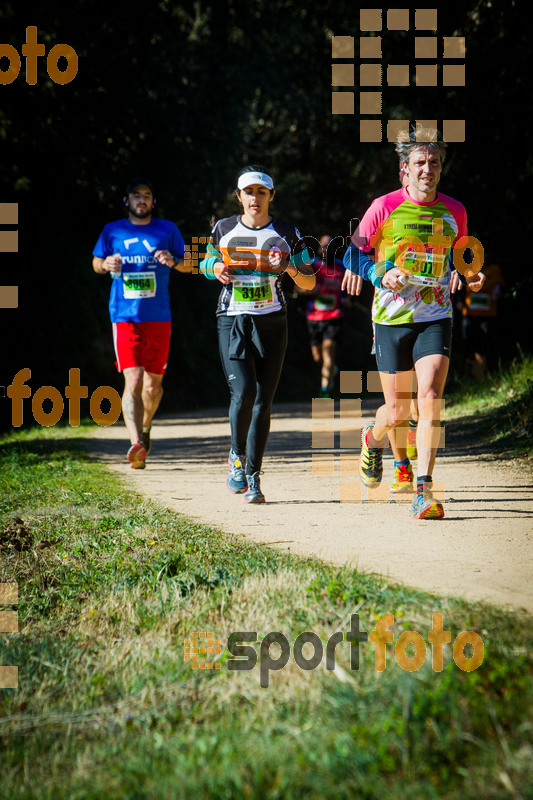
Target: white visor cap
[(249, 178)]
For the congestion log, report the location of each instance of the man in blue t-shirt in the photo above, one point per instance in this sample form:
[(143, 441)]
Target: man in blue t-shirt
[(138, 253)]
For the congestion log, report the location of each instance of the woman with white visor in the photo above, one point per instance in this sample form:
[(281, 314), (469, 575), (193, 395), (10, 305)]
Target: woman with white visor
[(248, 255)]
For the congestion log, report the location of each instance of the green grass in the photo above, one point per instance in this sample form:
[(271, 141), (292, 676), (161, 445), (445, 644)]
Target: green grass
[(111, 585), (502, 405)]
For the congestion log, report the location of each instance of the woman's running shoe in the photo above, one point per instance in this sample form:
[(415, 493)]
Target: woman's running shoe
[(236, 478), (137, 456), (371, 464), (254, 493), (403, 479), (426, 507)]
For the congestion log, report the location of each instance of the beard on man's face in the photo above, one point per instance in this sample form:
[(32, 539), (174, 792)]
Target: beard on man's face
[(140, 213)]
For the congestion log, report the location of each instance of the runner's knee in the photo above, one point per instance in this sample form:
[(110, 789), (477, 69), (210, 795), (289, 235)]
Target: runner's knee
[(430, 406), (153, 389), (397, 413), (244, 401), (428, 394), (133, 382)]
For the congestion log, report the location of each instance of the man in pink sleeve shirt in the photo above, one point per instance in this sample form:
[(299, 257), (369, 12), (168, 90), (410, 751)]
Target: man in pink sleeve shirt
[(412, 233)]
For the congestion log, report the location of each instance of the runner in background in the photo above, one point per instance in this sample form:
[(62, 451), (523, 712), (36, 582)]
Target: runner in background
[(139, 252), (325, 314), (480, 311), (249, 254), (413, 231)]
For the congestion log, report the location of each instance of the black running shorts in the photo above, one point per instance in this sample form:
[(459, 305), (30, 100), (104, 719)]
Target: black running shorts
[(321, 330), (399, 347)]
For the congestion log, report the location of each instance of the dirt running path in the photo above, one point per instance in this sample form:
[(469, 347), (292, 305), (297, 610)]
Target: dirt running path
[(481, 550)]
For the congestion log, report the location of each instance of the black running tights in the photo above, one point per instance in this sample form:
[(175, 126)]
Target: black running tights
[(252, 383)]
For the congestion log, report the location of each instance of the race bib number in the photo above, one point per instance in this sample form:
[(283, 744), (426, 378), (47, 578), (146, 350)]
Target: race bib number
[(420, 280), (251, 295), (139, 284), (325, 303), (429, 264), (479, 302)]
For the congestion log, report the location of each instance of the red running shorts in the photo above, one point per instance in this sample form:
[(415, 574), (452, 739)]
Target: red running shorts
[(142, 344)]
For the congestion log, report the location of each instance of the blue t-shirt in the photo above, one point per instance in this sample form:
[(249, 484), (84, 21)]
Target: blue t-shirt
[(140, 293)]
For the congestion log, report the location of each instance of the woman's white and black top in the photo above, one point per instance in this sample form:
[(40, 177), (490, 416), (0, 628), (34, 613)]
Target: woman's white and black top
[(255, 286)]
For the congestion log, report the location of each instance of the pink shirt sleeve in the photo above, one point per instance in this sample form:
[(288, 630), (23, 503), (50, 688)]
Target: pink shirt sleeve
[(458, 211), (374, 217)]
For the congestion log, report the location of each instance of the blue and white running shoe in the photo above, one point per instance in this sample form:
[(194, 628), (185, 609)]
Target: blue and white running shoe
[(254, 493), (236, 477)]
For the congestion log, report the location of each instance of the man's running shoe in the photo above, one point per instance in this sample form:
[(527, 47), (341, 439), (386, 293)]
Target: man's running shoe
[(236, 478), (137, 456), (426, 507), (371, 464), (254, 493), (412, 453), (403, 479), (145, 440)]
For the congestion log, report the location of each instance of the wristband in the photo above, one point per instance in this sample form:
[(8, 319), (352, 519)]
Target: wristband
[(374, 279), (363, 264), (207, 268), (376, 272)]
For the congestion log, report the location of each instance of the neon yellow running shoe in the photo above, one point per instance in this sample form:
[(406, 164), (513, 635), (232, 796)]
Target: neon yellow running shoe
[(371, 464), (403, 479)]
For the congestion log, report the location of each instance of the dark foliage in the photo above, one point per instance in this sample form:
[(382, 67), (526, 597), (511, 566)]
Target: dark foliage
[(189, 92)]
